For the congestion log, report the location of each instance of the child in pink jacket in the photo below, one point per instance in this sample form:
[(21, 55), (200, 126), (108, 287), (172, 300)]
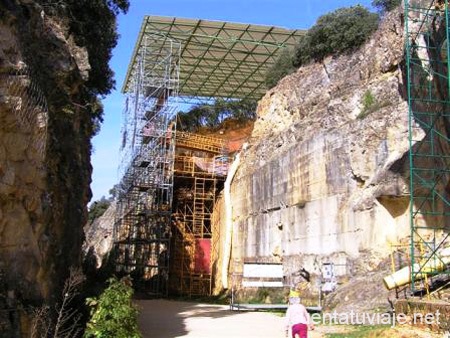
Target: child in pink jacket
[(297, 319)]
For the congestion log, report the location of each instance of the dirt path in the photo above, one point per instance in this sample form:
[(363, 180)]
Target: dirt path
[(170, 319)]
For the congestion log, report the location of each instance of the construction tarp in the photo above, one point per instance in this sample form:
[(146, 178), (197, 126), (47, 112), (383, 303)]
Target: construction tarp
[(218, 165)]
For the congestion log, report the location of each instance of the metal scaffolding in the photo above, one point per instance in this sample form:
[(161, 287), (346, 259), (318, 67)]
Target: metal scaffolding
[(428, 85), (156, 232), (220, 59), (201, 165), (142, 229)]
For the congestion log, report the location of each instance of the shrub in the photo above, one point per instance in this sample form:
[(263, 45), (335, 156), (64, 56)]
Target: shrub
[(371, 104), (386, 5), (368, 100), (98, 208), (113, 314), (334, 33), (282, 67), (342, 30), (303, 51)]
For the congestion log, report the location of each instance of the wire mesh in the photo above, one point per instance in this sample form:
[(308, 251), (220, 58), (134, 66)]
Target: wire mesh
[(28, 104)]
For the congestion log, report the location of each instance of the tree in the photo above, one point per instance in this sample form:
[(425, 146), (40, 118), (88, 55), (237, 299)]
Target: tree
[(114, 192), (98, 208), (386, 5), (334, 33), (282, 67), (212, 115), (342, 30)]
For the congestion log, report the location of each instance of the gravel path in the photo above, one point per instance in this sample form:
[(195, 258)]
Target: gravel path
[(170, 319)]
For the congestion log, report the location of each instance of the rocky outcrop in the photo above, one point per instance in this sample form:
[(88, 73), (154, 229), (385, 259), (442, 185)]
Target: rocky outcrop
[(323, 179), (45, 130), (99, 236)]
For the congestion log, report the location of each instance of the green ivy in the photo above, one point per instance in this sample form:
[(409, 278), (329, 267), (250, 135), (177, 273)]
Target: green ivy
[(113, 314)]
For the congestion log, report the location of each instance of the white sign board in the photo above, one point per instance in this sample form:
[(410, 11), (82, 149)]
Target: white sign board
[(263, 271)]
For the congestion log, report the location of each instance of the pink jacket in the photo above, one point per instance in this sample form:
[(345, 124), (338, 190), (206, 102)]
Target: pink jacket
[(296, 314)]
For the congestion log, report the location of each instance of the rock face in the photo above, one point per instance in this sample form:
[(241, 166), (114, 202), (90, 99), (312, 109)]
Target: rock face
[(99, 236), (323, 179), (44, 154)]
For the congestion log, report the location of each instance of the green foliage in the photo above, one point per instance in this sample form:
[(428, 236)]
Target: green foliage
[(342, 30), (368, 100), (113, 314), (370, 104), (386, 5), (334, 33), (212, 115), (282, 67), (98, 208), (93, 24)]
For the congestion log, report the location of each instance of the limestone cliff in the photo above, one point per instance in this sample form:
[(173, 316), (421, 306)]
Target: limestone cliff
[(99, 236), (323, 179), (45, 132)]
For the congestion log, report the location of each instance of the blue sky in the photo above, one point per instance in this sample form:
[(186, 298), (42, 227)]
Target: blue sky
[(285, 13)]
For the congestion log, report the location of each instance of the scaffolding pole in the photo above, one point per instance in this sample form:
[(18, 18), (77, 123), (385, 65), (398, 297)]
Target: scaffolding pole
[(199, 174), (427, 61), (142, 228)]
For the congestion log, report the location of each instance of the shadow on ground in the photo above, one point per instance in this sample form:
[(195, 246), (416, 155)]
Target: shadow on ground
[(171, 319)]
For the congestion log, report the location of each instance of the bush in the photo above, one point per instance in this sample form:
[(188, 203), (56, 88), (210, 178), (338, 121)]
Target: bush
[(113, 314), (98, 208), (368, 102), (282, 67), (371, 104), (342, 30), (337, 32), (386, 5)]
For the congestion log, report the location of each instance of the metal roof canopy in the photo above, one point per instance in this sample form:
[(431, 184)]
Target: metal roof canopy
[(218, 59)]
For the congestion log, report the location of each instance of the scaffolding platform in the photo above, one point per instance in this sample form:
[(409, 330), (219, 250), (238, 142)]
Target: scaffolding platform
[(200, 142)]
